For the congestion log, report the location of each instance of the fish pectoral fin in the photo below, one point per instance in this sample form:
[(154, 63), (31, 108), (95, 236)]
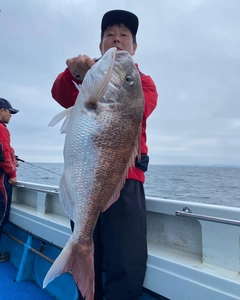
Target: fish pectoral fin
[(63, 114), (95, 94), (91, 103)]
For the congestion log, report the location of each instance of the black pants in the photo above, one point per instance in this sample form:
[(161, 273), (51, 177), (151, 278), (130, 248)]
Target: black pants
[(5, 198), (120, 246)]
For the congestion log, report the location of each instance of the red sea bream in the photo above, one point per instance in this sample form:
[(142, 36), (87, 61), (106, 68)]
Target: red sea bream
[(102, 141)]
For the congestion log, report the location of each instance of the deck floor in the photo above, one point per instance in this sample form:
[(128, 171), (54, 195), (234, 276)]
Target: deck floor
[(27, 290), (12, 290)]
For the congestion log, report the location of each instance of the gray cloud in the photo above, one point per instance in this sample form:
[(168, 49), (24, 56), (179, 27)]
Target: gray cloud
[(190, 48)]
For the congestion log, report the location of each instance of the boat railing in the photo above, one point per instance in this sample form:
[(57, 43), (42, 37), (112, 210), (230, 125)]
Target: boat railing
[(53, 191), (186, 212)]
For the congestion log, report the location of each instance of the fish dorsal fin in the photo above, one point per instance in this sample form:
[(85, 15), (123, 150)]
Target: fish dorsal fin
[(78, 86), (63, 114)]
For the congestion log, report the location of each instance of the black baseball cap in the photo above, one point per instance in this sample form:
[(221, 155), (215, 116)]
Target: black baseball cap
[(120, 16), (6, 104)]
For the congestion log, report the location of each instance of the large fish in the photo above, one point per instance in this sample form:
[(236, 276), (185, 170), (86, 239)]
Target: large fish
[(101, 144)]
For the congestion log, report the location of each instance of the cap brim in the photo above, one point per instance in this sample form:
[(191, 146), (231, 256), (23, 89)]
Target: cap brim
[(13, 110), (122, 17)]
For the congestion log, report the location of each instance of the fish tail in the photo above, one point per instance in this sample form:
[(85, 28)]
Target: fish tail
[(77, 258)]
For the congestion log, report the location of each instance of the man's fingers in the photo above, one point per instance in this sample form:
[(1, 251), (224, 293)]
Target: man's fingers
[(69, 62), (89, 62), (78, 66)]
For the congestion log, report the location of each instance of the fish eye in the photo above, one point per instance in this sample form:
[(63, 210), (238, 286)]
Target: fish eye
[(129, 80)]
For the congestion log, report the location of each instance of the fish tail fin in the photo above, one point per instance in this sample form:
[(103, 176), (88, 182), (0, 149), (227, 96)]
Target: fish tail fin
[(77, 258)]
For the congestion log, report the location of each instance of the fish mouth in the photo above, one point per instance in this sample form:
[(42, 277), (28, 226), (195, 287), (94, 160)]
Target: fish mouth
[(117, 49)]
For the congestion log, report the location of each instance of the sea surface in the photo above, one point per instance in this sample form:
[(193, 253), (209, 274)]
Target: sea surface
[(204, 184)]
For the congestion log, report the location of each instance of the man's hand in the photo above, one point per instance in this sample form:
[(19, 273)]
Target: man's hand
[(78, 66), (12, 180)]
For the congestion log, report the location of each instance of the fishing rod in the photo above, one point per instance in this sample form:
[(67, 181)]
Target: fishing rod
[(31, 164)]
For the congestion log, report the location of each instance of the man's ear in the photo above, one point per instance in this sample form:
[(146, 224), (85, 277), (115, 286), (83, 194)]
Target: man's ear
[(134, 48), (100, 47)]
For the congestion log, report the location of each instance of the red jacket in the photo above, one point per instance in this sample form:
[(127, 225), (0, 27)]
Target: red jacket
[(65, 93), (8, 160)]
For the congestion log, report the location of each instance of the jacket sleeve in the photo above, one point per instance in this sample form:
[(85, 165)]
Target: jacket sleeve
[(150, 95), (64, 90), (9, 162)]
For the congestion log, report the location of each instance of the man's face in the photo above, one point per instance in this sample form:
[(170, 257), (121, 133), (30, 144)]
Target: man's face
[(119, 37), (5, 115)]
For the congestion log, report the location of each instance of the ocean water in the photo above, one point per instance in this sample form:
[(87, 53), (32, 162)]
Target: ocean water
[(204, 184)]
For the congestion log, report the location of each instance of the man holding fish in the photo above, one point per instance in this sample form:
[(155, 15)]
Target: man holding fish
[(120, 246)]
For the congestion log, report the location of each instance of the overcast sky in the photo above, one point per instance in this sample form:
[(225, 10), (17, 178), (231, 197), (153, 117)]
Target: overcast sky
[(191, 49)]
